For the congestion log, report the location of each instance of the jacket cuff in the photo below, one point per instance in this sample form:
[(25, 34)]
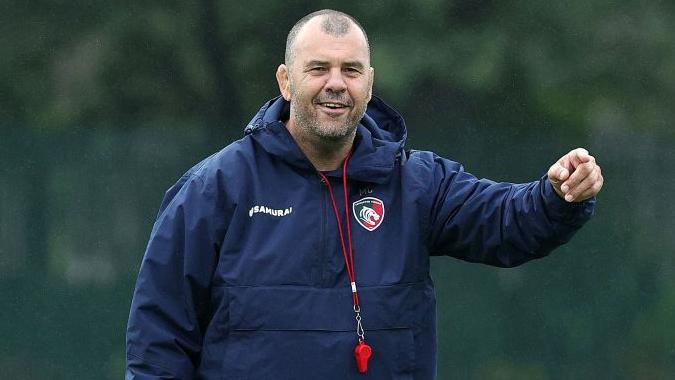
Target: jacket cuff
[(575, 213)]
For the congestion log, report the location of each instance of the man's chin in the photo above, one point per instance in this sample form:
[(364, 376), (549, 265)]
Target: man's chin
[(335, 132), (328, 128)]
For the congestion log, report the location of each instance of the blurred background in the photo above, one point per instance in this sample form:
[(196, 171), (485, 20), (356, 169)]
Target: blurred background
[(103, 105)]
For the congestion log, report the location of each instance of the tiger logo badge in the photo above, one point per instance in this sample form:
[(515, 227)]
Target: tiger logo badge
[(369, 212)]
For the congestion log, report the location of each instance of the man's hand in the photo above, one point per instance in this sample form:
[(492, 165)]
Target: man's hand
[(576, 177)]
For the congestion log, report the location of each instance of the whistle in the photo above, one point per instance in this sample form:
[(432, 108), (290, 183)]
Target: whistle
[(362, 353)]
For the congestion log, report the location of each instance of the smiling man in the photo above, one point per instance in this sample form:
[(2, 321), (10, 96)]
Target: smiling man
[(328, 81), (302, 250)]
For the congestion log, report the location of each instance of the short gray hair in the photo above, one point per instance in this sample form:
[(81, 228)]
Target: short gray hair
[(335, 24)]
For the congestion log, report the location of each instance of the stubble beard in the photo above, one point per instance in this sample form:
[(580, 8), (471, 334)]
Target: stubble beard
[(307, 120)]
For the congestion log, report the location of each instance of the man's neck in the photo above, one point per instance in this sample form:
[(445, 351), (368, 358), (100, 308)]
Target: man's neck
[(324, 154)]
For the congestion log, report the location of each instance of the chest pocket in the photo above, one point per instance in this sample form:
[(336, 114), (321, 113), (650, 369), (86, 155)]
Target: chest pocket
[(289, 332)]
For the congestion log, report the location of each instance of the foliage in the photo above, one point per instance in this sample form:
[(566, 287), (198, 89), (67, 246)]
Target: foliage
[(576, 63)]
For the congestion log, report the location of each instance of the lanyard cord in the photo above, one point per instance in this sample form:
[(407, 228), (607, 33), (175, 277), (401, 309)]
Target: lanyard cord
[(348, 254), (349, 229)]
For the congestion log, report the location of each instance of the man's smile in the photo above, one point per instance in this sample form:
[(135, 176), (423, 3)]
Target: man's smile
[(333, 108), (333, 105)]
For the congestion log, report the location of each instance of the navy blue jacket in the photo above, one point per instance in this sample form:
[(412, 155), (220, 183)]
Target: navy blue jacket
[(244, 277)]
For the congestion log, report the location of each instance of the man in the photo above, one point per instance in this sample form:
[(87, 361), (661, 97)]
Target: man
[(302, 250)]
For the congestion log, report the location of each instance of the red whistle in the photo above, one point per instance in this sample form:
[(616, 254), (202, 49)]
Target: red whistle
[(362, 353)]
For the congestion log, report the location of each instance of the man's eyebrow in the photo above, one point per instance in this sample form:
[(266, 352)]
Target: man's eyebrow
[(316, 62), (355, 64)]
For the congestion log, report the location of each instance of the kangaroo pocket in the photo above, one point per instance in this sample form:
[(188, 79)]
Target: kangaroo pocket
[(291, 332)]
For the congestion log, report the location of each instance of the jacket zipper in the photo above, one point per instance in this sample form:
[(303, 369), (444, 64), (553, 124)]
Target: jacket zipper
[(323, 261)]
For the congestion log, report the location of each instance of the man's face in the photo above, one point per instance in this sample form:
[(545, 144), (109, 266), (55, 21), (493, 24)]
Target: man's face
[(329, 81)]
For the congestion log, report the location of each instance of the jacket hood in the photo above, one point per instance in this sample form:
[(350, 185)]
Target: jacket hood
[(380, 138)]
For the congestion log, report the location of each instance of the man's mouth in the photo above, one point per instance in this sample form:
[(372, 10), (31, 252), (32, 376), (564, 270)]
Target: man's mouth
[(333, 105)]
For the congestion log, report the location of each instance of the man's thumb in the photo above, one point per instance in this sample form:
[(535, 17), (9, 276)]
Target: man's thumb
[(557, 173)]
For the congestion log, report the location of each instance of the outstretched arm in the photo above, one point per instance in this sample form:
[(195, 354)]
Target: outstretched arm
[(506, 224)]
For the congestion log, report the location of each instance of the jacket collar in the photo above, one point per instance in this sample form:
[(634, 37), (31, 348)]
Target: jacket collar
[(380, 138)]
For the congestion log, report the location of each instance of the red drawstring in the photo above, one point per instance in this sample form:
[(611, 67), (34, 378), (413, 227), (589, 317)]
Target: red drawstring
[(362, 351), (349, 229), (349, 257)]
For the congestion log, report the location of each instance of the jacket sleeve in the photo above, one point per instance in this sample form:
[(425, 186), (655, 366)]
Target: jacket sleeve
[(170, 307), (500, 224)]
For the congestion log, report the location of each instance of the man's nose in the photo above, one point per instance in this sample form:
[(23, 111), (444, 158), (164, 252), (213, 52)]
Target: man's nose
[(336, 81)]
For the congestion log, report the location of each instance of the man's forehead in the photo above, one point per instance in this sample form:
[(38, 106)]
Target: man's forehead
[(313, 37)]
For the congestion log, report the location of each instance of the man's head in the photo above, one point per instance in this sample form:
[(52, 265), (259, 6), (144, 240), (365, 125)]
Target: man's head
[(335, 23), (327, 75)]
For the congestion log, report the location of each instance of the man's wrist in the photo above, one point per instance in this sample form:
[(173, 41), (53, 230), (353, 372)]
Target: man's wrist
[(560, 209)]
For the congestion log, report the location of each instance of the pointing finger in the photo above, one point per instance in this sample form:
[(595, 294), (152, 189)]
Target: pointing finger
[(579, 156)]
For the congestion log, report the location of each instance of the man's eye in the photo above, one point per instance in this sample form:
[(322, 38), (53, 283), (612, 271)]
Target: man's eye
[(352, 70), (318, 69)]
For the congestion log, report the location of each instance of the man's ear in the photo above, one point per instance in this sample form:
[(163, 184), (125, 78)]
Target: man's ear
[(283, 81)]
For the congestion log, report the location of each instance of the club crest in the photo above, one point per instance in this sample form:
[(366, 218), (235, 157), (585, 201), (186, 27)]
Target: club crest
[(369, 212)]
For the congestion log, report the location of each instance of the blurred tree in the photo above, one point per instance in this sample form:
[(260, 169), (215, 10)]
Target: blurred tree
[(90, 63)]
